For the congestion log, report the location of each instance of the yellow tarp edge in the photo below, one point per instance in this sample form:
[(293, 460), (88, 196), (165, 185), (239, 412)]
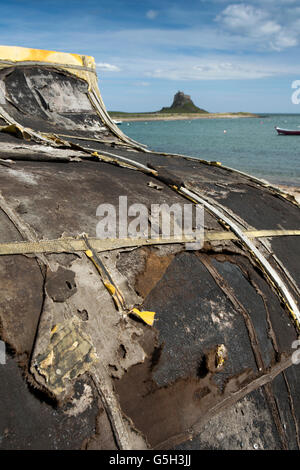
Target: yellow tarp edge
[(23, 54), (147, 317), (15, 54)]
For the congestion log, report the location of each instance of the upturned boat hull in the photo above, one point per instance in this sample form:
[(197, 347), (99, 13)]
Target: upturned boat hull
[(82, 365)]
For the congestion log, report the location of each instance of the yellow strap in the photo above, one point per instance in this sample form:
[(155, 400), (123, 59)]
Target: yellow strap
[(69, 245), (114, 292), (147, 317)]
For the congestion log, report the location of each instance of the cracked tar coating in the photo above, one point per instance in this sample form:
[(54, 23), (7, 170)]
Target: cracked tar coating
[(214, 371)]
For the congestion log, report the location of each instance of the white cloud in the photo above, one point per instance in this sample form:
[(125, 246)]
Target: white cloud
[(151, 14), (212, 70), (209, 67), (259, 26), (240, 16), (143, 84), (105, 67)]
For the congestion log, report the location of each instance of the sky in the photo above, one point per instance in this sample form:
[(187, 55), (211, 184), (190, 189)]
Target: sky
[(230, 56)]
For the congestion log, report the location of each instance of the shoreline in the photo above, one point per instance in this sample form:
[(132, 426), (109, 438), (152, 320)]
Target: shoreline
[(182, 117)]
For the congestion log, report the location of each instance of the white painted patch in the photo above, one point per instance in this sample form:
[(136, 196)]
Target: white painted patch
[(23, 176), (220, 316)]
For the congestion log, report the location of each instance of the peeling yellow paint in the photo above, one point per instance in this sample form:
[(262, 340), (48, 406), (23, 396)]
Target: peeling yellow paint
[(16, 130), (23, 54), (10, 55), (54, 329), (221, 355), (69, 354), (110, 287), (47, 362), (147, 317)]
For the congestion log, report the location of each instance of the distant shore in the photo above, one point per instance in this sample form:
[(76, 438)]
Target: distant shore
[(129, 117)]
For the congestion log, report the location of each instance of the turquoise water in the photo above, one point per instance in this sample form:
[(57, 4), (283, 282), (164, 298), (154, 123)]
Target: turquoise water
[(249, 144)]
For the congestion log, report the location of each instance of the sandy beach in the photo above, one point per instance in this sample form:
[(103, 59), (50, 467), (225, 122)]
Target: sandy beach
[(182, 117)]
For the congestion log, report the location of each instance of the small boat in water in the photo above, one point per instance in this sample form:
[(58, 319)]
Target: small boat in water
[(287, 131), (117, 122)]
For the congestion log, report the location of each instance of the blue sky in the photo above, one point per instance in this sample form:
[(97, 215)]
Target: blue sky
[(228, 55)]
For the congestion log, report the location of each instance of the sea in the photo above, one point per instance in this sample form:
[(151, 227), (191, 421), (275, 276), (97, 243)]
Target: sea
[(247, 144)]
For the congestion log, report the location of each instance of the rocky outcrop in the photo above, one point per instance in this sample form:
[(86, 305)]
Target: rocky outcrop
[(182, 104)]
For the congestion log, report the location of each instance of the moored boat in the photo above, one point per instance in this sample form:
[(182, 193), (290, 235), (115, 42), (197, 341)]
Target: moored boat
[(287, 131)]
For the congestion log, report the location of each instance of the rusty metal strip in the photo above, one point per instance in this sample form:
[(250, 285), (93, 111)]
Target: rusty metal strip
[(245, 226), (227, 290), (292, 408), (283, 269), (105, 276), (276, 415), (223, 285), (271, 332), (251, 233), (227, 401), (269, 271)]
